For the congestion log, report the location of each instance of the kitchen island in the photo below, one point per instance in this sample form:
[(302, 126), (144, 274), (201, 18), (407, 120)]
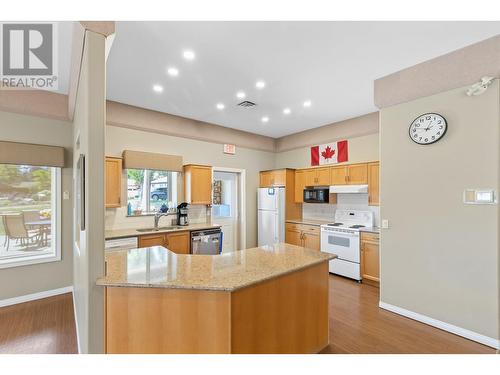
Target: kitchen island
[(270, 299)]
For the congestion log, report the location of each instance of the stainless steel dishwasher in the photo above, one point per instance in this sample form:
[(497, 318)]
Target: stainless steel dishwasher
[(207, 241)]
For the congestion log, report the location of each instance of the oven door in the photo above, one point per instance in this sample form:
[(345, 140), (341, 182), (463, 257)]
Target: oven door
[(344, 245)]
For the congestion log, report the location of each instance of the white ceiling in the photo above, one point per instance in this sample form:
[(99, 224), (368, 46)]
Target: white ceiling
[(333, 64)]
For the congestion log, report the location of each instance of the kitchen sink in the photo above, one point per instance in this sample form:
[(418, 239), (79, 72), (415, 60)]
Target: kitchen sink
[(176, 227)]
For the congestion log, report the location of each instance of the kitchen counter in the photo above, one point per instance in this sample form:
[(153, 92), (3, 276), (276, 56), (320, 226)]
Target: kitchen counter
[(316, 222), (263, 300), (370, 229), (132, 232), (157, 267)]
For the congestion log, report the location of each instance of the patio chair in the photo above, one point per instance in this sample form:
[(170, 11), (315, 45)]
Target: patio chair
[(16, 230), (30, 216)]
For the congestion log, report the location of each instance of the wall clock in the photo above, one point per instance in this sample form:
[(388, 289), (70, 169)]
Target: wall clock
[(427, 128)]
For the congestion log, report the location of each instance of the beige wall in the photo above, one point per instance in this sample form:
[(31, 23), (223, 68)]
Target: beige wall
[(18, 281), (88, 137), (361, 149), (439, 257), (192, 151)]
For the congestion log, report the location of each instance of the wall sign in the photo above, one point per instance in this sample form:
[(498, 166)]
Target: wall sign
[(329, 153), (229, 149)]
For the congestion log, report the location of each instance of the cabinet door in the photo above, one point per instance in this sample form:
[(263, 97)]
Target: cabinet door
[(323, 176), (310, 177), (279, 177), (338, 176), (293, 235), (201, 185), (357, 174), (178, 242), (266, 179), (311, 240), (152, 240), (370, 268), (113, 182), (299, 186), (373, 184)]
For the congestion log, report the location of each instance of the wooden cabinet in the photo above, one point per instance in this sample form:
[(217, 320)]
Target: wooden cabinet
[(303, 235), (338, 175), (370, 261), (273, 178), (373, 184), (317, 177), (198, 184), (300, 184), (113, 182), (178, 242), (357, 174)]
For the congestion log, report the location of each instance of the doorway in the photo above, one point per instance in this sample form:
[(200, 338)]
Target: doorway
[(228, 206)]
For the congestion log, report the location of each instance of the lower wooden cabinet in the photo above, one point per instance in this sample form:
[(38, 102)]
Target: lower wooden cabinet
[(303, 235), (370, 260), (178, 242)]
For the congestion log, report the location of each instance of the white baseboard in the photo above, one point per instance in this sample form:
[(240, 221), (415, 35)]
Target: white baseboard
[(76, 325), (485, 340), (35, 296)]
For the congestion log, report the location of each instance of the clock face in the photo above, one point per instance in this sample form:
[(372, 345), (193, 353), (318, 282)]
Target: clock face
[(427, 128)]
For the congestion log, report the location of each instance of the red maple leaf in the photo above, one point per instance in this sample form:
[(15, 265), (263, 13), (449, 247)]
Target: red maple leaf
[(328, 153)]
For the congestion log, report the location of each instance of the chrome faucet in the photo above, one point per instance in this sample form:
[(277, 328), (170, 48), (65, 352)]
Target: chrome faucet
[(158, 215)]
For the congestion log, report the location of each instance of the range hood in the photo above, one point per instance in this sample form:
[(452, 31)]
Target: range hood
[(349, 189)]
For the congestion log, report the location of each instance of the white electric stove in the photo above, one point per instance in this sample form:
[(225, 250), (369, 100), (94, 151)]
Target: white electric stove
[(342, 238)]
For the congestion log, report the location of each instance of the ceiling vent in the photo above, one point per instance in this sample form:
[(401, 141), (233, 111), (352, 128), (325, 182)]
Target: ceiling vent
[(246, 103)]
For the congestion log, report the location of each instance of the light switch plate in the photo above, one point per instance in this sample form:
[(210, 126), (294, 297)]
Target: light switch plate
[(66, 195), (385, 223), (480, 196)]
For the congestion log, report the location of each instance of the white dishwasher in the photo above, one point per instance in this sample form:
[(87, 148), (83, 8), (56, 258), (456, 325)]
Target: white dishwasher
[(125, 243)]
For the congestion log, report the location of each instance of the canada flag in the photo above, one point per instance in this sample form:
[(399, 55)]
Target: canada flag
[(329, 153)]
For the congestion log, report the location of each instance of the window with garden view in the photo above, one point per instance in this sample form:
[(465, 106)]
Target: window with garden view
[(29, 214), (149, 190)]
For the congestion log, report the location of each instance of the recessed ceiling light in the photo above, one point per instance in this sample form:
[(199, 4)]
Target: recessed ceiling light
[(287, 111), (260, 84), (189, 55), (240, 95), (220, 106), (307, 103), (265, 119), (157, 88), (174, 72)]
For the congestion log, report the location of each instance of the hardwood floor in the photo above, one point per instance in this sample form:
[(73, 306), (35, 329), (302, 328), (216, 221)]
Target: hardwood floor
[(357, 325), (43, 326)]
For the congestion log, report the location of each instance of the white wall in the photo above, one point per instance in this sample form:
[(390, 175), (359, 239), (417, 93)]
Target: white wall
[(88, 137), (192, 151), (19, 281), (439, 258)]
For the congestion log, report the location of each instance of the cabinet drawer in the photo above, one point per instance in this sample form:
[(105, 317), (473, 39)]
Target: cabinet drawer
[(366, 236), (293, 226), (310, 228)]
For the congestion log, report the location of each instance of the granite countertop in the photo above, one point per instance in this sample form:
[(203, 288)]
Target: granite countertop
[(158, 267), (370, 229), (316, 222), (132, 232)]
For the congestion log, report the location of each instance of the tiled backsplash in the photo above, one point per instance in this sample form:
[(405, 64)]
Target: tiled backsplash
[(117, 218), (325, 211)]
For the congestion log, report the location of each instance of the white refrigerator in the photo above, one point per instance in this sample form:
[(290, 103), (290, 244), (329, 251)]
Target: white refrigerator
[(271, 215)]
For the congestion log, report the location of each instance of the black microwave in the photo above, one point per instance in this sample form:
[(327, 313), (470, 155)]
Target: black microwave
[(316, 195)]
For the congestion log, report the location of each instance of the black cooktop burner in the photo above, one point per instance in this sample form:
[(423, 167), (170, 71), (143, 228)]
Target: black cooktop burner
[(336, 225), (356, 226)]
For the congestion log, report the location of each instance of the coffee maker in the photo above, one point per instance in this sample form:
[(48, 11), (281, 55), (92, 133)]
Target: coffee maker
[(182, 214)]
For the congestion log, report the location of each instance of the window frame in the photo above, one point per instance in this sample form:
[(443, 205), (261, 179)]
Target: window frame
[(25, 260)]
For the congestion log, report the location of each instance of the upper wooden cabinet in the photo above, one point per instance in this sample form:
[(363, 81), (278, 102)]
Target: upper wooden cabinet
[(198, 184), (273, 178), (317, 176), (113, 182), (373, 184), (338, 175), (357, 174), (177, 242), (300, 184)]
